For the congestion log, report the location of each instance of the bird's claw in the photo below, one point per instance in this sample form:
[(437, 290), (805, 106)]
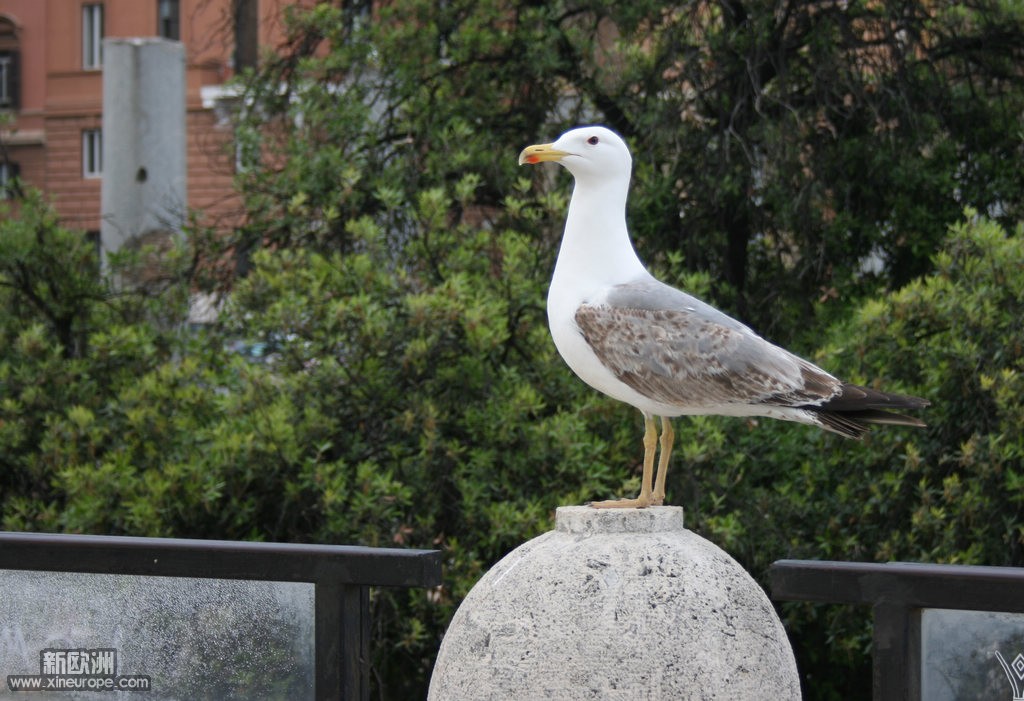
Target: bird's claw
[(638, 503)]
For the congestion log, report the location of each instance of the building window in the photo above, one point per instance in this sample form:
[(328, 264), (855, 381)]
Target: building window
[(92, 153), (10, 72), (246, 34), (92, 36), (8, 80), (8, 186), (168, 25)]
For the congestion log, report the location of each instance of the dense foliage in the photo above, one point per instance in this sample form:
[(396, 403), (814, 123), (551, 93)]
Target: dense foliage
[(950, 493), (794, 151), (397, 263)]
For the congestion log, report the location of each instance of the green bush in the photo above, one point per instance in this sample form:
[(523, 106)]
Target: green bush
[(404, 404), (398, 270), (950, 493), (424, 406)]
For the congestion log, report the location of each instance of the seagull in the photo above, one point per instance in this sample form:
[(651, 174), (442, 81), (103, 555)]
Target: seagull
[(661, 350)]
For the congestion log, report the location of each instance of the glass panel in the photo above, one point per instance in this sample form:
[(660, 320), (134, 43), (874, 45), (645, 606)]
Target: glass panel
[(167, 18), (87, 37), (181, 638), (92, 36), (92, 153), (5, 68), (97, 151), (971, 655)]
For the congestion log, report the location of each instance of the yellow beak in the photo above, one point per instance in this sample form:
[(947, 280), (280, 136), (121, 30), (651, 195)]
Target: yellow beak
[(540, 153)]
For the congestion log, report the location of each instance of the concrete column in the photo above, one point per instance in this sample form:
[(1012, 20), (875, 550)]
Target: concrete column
[(144, 170), (616, 604)]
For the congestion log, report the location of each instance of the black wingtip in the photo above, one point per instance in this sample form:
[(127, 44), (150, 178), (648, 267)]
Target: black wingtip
[(856, 408), (854, 398), (854, 424)]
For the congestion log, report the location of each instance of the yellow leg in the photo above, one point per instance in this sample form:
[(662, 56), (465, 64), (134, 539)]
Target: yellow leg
[(668, 437), (644, 500)]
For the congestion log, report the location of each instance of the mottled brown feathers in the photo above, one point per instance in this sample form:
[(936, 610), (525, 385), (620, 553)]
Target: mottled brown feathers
[(686, 359), (679, 358)]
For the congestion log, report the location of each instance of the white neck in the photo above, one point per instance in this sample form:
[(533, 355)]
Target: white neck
[(596, 247)]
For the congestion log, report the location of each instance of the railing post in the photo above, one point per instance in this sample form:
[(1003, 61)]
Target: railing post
[(893, 659), (355, 641), (342, 642)]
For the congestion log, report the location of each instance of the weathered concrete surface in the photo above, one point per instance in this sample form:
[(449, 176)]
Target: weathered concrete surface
[(616, 604), (144, 189)]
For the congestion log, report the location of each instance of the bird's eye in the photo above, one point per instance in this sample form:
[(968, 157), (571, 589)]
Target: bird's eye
[(593, 141)]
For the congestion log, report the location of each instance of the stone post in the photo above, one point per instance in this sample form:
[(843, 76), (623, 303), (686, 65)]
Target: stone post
[(143, 195), (616, 604)]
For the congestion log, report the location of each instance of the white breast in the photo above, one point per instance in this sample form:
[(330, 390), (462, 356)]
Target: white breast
[(574, 349)]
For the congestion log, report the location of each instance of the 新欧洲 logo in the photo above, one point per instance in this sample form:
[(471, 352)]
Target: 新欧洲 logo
[(82, 669)]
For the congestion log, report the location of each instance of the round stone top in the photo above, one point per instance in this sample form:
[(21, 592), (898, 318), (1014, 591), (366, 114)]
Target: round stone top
[(616, 604), (586, 520)]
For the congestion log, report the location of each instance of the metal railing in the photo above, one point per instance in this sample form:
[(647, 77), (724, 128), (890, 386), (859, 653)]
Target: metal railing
[(897, 593), (341, 575)]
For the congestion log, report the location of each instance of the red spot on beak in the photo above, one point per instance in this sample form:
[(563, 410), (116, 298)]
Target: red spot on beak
[(532, 159)]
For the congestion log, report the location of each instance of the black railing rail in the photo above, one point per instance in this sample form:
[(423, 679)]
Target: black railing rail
[(897, 591), (341, 575)]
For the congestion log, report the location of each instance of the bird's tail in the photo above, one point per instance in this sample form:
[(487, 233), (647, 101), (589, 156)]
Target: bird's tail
[(852, 412)]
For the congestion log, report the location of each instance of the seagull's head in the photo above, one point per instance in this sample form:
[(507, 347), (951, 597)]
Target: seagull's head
[(586, 152)]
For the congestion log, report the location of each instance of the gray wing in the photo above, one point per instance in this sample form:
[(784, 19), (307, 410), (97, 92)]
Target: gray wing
[(655, 295), (675, 349)]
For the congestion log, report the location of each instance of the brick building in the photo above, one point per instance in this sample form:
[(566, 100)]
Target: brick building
[(51, 72)]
